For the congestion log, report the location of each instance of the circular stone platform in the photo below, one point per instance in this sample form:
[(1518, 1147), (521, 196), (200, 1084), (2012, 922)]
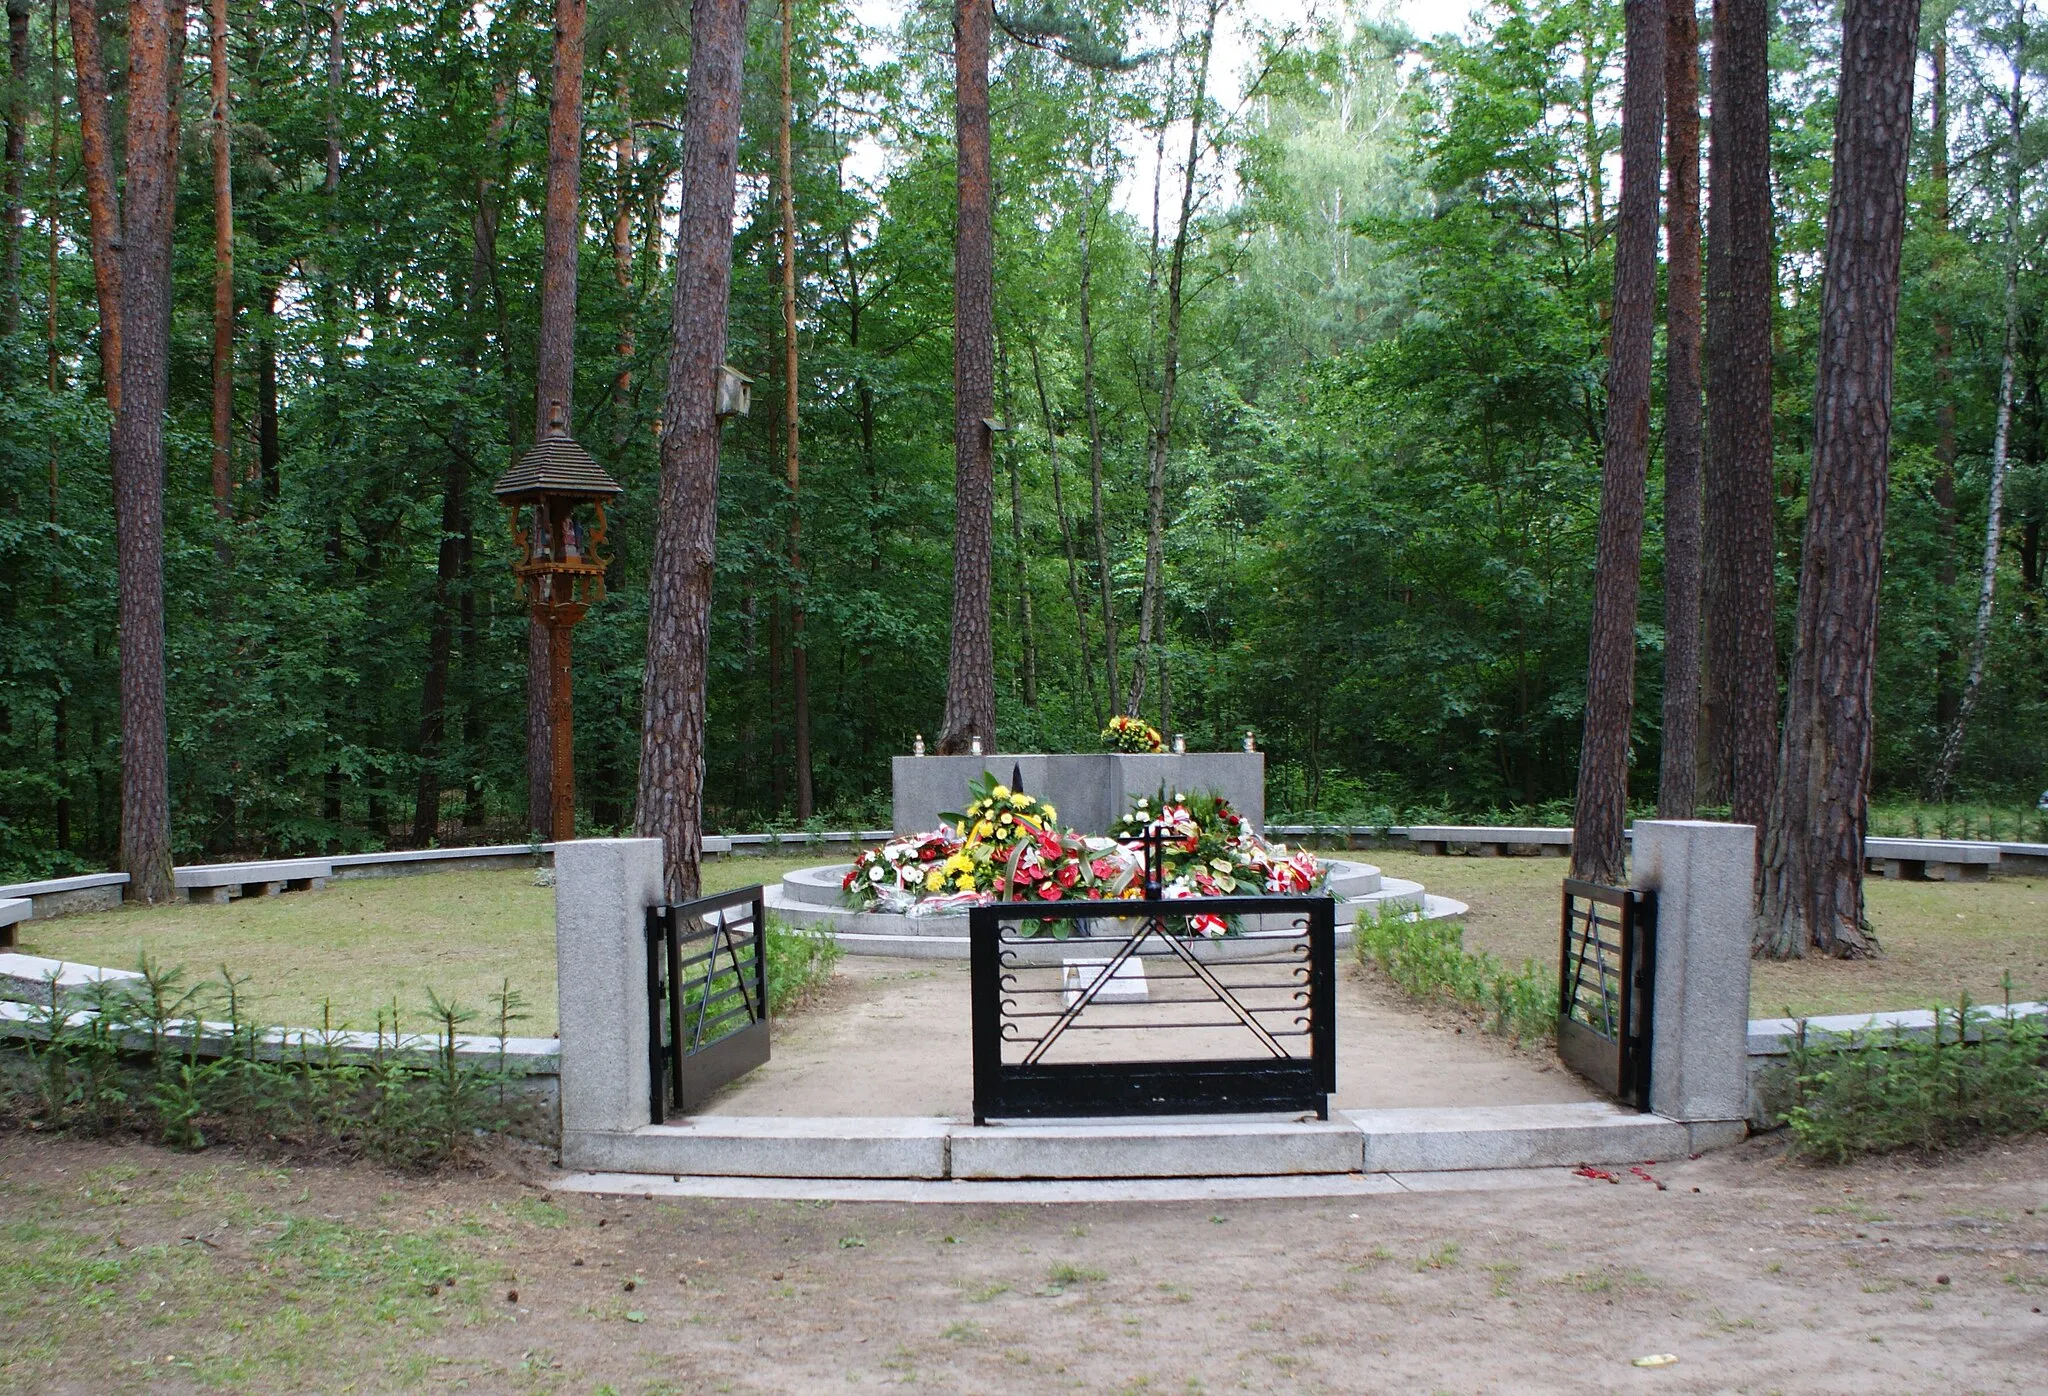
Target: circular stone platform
[(813, 897)]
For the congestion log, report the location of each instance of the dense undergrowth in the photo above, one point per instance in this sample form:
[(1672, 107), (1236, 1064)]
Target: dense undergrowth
[(1980, 1072)]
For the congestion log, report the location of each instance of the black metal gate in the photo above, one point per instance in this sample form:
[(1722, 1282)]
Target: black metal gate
[(1606, 974), (1114, 1008), (707, 997)]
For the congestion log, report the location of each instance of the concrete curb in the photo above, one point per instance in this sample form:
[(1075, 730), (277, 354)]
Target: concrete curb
[(1356, 1143)]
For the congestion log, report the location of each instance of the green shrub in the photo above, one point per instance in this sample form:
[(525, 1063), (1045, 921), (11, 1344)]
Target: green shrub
[(800, 960), (1873, 1093), (1429, 960)]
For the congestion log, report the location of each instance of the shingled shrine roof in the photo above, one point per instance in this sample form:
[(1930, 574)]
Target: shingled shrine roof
[(557, 465)]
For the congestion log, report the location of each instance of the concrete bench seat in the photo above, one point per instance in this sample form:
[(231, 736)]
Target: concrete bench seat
[(59, 896), (214, 883), (1487, 841), (13, 911), (1931, 860)]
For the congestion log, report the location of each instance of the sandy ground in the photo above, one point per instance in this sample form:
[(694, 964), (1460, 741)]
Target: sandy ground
[(891, 1037), (135, 1269)]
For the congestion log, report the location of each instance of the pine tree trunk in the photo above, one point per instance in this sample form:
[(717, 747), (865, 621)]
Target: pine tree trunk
[(138, 235), (1813, 847), (1987, 582), (799, 661), (17, 142), (624, 158), (1678, 768), (1598, 852), (970, 669), (223, 262), (686, 527), (1740, 557), (102, 210), (1151, 606)]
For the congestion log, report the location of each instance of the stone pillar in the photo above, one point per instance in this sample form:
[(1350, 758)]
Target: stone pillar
[(603, 888), (1699, 1050)]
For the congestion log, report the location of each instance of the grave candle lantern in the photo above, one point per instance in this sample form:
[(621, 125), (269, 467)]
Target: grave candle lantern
[(556, 496)]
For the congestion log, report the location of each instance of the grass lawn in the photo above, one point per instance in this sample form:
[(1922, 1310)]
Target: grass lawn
[(361, 943), (1940, 939)]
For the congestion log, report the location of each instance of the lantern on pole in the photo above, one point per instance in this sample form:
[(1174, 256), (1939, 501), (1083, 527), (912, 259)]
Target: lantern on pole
[(556, 496)]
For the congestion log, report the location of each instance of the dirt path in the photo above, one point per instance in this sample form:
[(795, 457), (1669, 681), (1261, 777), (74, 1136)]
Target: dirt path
[(891, 1038), (134, 1269)]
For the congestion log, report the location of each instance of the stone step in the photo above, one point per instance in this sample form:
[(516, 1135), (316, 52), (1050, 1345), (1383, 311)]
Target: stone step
[(1356, 1141)]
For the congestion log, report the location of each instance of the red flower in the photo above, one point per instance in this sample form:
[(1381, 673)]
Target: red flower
[(1049, 890), (1048, 845), (1068, 875)]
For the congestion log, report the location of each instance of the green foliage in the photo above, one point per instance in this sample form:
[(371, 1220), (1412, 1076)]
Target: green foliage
[(800, 961), (1429, 960), (1980, 1072), (121, 1055), (1380, 495)]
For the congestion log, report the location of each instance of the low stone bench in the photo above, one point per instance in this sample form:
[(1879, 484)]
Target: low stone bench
[(214, 883), (13, 911), (29, 976), (59, 896), (1931, 860), (1486, 841)]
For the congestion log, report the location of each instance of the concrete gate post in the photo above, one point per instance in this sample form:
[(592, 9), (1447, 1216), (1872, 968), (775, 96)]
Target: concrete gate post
[(1699, 1052), (603, 888)]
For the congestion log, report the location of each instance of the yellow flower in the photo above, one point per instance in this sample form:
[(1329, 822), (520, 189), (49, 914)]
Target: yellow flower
[(1001, 792), (1008, 820), (964, 882), (984, 829), (1020, 801), (934, 880), (1049, 812)]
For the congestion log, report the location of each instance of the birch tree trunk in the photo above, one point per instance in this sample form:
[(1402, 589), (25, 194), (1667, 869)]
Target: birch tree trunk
[(970, 670), (1987, 582), (1059, 504), (1151, 602), (686, 527), (1091, 404), (1820, 809), (1598, 853), (1678, 768)]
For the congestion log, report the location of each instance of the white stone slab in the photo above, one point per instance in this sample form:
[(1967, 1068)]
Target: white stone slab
[(31, 974), (1513, 1136), (283, 870), (1126, 985), (14, 910), (1148, 1150), (768, 1147), (1775, 1036)]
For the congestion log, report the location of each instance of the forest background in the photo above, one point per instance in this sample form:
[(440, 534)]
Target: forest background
[(1379, 502)]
